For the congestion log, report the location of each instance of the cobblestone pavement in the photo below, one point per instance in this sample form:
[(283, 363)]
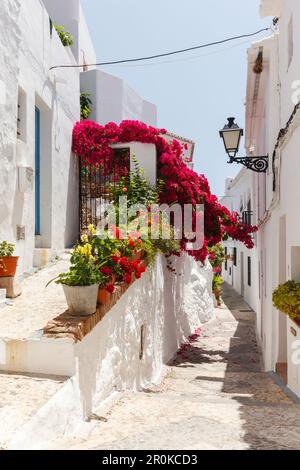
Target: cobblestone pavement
[(21, 396), (37, 305), (215, 396)]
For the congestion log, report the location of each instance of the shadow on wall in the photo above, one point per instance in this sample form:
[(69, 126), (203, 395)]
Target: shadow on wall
[(108, 359)]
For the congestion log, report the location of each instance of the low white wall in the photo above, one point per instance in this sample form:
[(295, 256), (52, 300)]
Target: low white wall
[(170, 307)]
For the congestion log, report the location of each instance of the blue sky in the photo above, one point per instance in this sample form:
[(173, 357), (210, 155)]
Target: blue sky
[(195, 92)]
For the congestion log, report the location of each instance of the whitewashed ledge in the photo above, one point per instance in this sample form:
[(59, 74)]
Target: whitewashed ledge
[(167, 307)]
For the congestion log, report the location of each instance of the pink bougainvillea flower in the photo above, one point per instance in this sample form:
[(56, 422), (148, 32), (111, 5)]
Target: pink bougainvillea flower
[(92, 143)]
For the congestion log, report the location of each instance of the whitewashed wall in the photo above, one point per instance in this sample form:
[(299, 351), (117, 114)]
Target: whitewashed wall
[(279, 234), (238, 192), (27, 51), (113, 100), (170, 307)]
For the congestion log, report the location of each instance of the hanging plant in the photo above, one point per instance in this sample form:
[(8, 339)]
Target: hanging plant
[(286, 298)]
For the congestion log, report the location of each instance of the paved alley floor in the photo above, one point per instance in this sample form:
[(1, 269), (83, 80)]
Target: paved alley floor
[(215, 396)]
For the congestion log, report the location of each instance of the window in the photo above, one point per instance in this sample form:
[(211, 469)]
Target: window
[(226, 262), (290, 41), (249, 205), (249, 271), (234, 256)]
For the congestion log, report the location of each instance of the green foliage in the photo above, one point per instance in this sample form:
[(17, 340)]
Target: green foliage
[(217, 255), (217, 283), (84, 270), (286, 298), (167, 247), (6, 249), (66, 38), (85, 105), (150, 250), (136, 187)]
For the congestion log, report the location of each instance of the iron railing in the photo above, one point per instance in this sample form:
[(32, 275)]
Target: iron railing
[(95, 183)]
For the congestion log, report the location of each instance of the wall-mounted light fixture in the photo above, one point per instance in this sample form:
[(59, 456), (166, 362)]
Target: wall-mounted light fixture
[(231, 135)]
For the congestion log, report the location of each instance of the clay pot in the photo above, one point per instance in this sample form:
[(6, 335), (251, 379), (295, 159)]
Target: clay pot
[(81, 300), (8, 266), (217, 293), (103, 296)]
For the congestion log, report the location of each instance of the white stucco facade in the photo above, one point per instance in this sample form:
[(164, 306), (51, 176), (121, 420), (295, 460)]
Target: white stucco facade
[(272, 128), (114, 101), (240, 270), (38, 109), (110, 359), (28, 50)]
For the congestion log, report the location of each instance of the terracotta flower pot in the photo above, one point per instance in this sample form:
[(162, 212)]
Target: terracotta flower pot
[(8, 266), (103, 296), (217, 293)]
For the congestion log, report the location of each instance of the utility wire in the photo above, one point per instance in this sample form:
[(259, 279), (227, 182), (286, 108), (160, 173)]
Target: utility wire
[(187, 59), (166, 54)]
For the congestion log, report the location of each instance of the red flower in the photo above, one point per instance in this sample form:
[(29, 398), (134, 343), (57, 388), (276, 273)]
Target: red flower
[(106, 270), (127, 278), (139, 271), (110, 288), (131, 243), (116, 259)]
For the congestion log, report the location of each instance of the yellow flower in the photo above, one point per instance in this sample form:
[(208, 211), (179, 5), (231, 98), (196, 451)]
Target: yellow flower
[(85, 250), (92, 229), (117, 253), (84, 239)]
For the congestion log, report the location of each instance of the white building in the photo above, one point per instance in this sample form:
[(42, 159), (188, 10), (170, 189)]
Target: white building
[(39, 202), (273, 128), (240, 271)]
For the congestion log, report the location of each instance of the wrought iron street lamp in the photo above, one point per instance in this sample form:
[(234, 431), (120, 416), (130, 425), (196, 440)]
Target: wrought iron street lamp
[(231, 135)]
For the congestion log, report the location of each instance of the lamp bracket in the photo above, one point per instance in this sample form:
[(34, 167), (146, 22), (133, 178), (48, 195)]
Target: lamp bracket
[(258, 164)]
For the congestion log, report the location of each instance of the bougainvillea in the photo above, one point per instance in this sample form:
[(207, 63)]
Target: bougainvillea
[(92, 142)]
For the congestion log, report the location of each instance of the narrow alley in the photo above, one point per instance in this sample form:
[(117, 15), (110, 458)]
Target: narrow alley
[(215, 396)]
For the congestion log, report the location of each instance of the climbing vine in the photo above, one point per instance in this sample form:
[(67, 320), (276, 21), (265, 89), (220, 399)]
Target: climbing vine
[(92, 142)]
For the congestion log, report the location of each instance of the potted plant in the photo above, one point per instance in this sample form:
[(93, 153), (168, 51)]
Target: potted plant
[(81, 283), (286, 298), (217, 283), (105, 291), (8, 262)]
